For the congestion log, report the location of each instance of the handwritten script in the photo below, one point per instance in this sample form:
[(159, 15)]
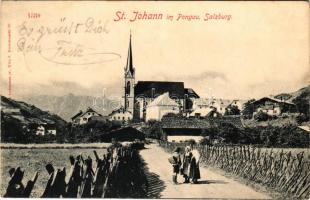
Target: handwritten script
[(48, 42)]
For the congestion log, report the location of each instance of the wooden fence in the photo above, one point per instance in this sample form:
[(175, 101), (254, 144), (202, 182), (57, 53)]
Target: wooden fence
[(279, 171), (118, 174)]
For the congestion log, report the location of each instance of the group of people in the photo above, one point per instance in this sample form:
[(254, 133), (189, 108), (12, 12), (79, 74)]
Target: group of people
[(186, 164)]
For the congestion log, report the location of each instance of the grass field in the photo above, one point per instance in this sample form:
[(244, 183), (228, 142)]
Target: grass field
[(32, 160), (54, 146)]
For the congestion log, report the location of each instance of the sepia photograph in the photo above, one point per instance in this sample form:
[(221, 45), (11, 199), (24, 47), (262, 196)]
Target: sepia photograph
[(155, 99)]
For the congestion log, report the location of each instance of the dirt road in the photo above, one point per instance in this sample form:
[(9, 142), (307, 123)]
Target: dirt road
[(212, 185)]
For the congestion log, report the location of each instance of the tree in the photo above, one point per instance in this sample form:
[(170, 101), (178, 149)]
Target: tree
[(232, 110), (303, 107), (154, 130), (12, 130), (248, 110), (229, 132)]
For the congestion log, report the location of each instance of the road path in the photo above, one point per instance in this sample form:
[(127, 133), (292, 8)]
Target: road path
[(212, 185)]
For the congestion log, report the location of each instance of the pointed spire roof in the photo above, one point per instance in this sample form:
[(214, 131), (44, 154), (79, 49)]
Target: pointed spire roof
[(129, 66)]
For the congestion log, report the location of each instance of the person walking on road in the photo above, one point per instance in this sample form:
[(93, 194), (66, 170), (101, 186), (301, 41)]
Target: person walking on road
[(194, 172), (175, 160), (185, 169)]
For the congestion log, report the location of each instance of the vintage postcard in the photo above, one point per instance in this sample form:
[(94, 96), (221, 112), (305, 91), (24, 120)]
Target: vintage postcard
[(113, 99)]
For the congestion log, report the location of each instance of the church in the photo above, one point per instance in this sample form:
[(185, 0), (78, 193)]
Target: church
[(138, 95)]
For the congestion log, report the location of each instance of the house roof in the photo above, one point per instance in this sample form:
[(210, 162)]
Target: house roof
[(163, 100), (242, 102), (77, 115), (81, 113), (89, 109), (186, 123), (191, 93), (119, 110), (144, 89), (273, 100)]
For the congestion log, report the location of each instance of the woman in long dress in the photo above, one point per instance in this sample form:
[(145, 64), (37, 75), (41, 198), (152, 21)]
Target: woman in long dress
[(185, 169), (194, 172)]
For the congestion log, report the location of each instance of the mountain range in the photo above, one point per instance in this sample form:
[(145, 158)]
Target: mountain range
[(68, 105)]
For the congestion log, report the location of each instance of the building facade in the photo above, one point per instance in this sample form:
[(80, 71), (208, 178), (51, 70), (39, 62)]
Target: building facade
[(83, 117), (161, 106)]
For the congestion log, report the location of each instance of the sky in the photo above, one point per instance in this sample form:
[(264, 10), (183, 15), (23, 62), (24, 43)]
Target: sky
[(263, 49)]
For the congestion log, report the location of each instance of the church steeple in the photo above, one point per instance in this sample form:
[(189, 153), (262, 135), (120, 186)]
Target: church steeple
[(129, 81), (129, 69)]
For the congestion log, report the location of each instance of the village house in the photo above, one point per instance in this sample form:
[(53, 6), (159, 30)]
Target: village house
[(46, 129), (161, 106), (238, 103), (83, 117), (220, 105), (272, 106), (184, 129), (138, 95), (120, 114), (205, 105)]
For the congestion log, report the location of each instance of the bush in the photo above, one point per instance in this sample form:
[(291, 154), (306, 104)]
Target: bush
[(154, 130), (270, 136), (232, 110), (115, 144), (261, 116), (248, 109), (229, 132), (302, 118), (137, 144)]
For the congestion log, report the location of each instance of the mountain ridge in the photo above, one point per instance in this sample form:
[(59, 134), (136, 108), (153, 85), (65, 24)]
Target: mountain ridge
[(68, 105), (26, 113)]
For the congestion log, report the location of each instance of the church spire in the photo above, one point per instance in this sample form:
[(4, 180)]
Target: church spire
[(129, 66)]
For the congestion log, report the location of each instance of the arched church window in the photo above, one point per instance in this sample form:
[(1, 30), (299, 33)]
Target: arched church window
[(128, 87)]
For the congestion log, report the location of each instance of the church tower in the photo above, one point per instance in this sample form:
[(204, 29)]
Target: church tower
[(129, 82)]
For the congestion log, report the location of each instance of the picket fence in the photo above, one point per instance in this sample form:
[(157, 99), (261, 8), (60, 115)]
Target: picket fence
[(279, 171), (118, 174)]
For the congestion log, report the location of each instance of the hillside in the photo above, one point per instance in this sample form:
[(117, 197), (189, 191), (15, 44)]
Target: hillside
[(68, 105), (27, 114), (301, 93)]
